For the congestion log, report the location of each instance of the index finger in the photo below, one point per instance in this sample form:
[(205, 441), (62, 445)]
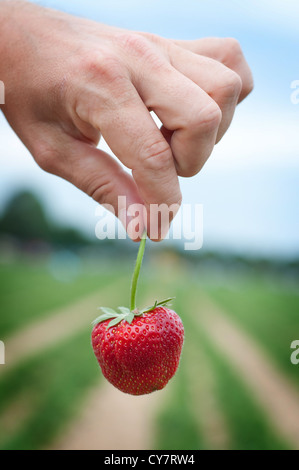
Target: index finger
[(135, 139)]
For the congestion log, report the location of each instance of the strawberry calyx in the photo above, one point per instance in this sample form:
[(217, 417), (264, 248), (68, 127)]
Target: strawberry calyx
[(126, 314), (162, 303)]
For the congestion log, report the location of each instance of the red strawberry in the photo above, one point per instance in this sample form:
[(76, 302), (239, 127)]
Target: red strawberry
[(138, 352)]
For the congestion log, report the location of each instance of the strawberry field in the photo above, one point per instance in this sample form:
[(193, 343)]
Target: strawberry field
[(236, 387)]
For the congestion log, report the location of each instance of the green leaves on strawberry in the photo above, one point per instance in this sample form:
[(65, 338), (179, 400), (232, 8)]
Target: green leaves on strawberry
[(162, 303), (125, 313)]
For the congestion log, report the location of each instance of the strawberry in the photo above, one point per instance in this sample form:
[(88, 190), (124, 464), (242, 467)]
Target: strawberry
[(138, 350), (140, 356)]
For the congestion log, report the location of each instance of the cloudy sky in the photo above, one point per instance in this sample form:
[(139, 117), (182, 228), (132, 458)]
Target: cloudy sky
[(250, 185)]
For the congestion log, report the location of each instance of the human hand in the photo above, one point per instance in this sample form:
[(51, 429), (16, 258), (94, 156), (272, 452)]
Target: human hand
[(70, 80)]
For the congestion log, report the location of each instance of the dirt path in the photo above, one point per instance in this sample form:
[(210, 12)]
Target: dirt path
[(204, 404), (112, 420), (109, 418), (59, 324), (15, 415), (274, 392)]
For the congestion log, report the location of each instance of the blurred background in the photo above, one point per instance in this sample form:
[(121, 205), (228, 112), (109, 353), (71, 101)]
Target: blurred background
[(238, 296)]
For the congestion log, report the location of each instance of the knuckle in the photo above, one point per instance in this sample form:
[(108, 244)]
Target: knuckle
[(46, 157), (208, 119), (142, 47), (133, 42), (103, 64), (99, 185), (156, 41), (232, 50), (233, 57), (156, 156), (231, 85), (154, 38), (100, 192)]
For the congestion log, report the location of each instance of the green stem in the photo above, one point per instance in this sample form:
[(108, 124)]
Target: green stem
[(137, 271)]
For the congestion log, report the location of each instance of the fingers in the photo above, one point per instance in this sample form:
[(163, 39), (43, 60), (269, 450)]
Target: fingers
[(227, 51), (97, 174), (194, 97), (190, 115), (191, 86), (221, 83), (134, 138)]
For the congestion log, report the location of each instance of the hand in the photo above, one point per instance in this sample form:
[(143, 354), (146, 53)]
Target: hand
[(69, 80)]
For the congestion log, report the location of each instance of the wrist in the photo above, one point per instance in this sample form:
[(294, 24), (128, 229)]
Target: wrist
[(9, 10), (8, 28), (14, 21)]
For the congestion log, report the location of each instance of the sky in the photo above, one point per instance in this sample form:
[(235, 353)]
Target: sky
[(249, 187)]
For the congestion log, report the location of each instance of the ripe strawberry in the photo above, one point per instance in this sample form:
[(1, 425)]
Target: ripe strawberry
[(138, 352)]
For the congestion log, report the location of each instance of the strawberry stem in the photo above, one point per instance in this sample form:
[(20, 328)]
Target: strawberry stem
[(137, 271)]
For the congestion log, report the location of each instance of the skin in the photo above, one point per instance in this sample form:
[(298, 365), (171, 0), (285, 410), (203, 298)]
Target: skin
[(70, 80)]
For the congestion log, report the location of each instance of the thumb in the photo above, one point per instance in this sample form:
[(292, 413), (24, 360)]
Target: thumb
[(100, 176)]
